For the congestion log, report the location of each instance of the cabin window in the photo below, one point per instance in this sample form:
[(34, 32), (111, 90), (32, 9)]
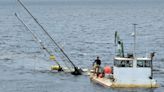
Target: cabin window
[(123, 63), (143, 63), (147, 63), (140, 63)]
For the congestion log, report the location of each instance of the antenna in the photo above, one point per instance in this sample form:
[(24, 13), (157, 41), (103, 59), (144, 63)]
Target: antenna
[(134, 49)]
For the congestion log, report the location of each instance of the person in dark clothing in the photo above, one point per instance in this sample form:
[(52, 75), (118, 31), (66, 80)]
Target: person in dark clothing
[(96, 65), (98, 61)]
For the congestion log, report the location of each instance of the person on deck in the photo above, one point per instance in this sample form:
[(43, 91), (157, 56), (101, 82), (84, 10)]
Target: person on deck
[(96, 65)]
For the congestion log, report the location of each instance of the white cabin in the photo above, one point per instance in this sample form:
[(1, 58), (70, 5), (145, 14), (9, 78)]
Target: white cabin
[(133, 71)]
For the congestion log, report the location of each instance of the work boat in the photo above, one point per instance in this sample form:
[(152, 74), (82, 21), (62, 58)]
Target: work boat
[(127, 72)]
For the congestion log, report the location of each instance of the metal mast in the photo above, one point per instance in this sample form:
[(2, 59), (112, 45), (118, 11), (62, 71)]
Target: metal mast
[(40, 42), (134, 49), (76, 70)]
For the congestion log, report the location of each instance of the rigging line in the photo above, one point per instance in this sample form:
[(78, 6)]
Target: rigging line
[(62, 57), (36, 39), (48, 35), (66, 63)]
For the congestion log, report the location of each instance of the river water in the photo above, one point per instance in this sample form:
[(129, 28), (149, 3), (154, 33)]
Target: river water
[(84, 29)]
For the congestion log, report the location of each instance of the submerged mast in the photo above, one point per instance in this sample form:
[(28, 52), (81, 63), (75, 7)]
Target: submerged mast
[(40, 42), (76, 70)]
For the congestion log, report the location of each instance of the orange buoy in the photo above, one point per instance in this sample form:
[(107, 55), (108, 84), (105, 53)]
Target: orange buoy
[(107, 70)]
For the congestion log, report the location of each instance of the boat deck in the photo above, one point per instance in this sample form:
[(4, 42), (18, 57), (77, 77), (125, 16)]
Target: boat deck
[(103, 81), (109, 83)]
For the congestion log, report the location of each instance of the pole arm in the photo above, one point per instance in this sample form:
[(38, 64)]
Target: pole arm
[(134, 51), (36, 39), (47, 33)]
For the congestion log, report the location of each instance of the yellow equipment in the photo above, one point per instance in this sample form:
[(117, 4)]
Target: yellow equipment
[(56, 67), (52, 57)]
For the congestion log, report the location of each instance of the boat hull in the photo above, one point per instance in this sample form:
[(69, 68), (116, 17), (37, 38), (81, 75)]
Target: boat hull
[(110, 83)]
